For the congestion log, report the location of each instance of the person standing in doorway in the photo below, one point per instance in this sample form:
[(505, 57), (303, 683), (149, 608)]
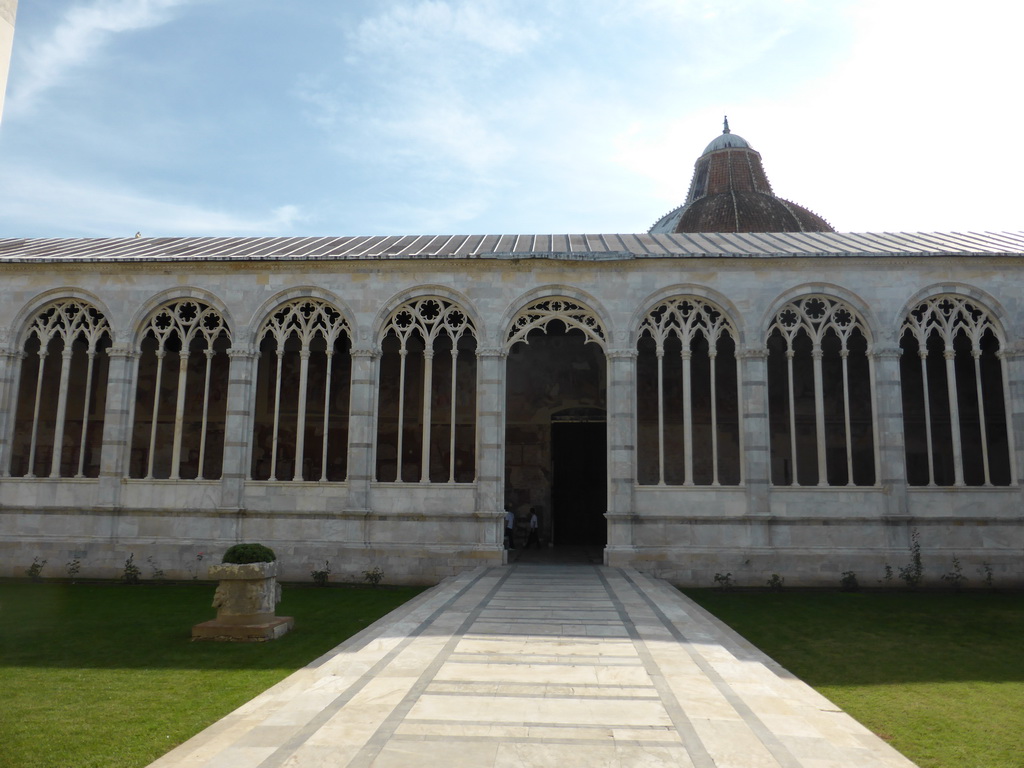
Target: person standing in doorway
[(534, 537), (510, 525)]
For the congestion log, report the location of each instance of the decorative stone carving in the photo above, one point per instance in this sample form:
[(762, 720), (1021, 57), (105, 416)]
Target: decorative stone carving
[(246, 600)]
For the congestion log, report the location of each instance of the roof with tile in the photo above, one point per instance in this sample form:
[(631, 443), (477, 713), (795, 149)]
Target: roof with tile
[(581, 247)]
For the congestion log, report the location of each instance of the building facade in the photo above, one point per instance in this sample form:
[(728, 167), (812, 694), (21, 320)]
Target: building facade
[(801, 403), (8, 10)]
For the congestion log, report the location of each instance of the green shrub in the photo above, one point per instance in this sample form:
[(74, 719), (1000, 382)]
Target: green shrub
[(132, 574), (320, 575), (249, 553)]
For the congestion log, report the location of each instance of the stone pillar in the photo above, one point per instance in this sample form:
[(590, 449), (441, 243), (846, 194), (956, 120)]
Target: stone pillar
[(890, 444), (362, 425), (756, 459), (238, 426), (8, 10), (1012, 360), (621, 443), (10, 368), (117, 423), (490, 430)]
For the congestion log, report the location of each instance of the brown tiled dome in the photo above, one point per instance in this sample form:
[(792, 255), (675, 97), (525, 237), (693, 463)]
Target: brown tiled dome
[(731, 193)]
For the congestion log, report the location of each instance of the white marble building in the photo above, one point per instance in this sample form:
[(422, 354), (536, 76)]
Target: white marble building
[(8, 10), (749, 403)]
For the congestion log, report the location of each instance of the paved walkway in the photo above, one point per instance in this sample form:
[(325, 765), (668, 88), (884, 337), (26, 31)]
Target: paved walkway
[(541, 665)]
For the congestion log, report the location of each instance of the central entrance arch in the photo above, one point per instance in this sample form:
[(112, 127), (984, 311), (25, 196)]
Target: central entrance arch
[(555, 430)]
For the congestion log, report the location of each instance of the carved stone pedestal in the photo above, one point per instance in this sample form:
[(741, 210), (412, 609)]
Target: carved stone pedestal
[(246, 600)]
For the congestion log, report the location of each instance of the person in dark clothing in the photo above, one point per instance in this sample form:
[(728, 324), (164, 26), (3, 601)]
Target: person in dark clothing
[(534, 527)]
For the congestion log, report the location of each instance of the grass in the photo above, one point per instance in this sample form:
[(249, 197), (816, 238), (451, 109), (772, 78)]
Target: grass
[(106, 675), (939, 675)]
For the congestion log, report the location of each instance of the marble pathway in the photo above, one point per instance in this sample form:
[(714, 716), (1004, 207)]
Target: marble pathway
[(541, 665)]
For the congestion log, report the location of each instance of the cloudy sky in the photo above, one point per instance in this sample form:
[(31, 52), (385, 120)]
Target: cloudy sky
[(362, 117)]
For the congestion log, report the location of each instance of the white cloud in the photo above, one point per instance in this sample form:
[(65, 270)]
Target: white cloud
[(436, 24), (81, 34), (418, 87), (42, 203)]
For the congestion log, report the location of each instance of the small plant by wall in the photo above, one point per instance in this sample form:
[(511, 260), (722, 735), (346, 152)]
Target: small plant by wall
[(373, 576), (34, 571), (157, 572), (724, 580), (848, 582), (985, 570), (131, 574), (193, 566), (320, 575), (913, 571), (955, 578), (72, 567), (776, 582)]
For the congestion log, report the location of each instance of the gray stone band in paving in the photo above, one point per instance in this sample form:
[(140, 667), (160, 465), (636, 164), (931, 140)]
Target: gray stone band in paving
[(541, 665)]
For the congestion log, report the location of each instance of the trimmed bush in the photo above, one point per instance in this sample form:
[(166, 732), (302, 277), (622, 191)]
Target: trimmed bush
[(249, 553)]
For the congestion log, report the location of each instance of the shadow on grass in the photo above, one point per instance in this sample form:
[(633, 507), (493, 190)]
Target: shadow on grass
[(112, 626), (877, 638)]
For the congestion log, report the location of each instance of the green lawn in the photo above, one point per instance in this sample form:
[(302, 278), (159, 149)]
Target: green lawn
[(106, 675), (940, 676)]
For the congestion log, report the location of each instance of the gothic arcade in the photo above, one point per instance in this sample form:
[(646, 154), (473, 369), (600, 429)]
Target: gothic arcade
[(692, 404)]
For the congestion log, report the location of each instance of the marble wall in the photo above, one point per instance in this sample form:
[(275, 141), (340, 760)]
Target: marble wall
[(421, 532)]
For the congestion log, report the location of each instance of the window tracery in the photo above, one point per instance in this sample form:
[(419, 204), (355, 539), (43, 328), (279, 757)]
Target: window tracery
[(426, 430), (540, 313), (300, 429), (59, 427), (821, 411), (180, 404), (687, 395), (954, 408)]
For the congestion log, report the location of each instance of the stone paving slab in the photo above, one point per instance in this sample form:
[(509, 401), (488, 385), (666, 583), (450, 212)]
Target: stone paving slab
[(541, 665)]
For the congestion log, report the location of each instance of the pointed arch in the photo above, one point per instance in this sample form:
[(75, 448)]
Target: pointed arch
[(61, 400), (426, 427), (300, 426), (539, 313), (180, 402), (688, 430), (821, 409), (954, 394)]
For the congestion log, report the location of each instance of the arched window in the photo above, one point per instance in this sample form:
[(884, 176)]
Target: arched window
[(687, 396), (300, 430), (426, 427), (62, 393), (954, 407), (819, 395), (181, 394)]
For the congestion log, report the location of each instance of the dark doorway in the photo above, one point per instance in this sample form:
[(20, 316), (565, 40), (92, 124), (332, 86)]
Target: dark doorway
[(555, 391), (579, 492)]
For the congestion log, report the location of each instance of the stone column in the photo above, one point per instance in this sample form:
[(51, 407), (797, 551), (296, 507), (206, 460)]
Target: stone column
[(756, 459), (238, 426), (10, 369), (362, 425), (621, 443), (118, 416), (490, 430), (1012, 360), (890, 444)]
